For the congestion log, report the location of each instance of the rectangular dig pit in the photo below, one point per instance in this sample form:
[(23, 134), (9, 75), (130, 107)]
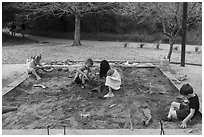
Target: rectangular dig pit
[(62, 103)]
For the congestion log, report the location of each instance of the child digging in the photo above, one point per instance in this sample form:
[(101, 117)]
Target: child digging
[(185, 112), (33, 65), (113, 79), (82, 73)]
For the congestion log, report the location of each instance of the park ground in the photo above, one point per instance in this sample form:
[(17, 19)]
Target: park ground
[(60, 49)]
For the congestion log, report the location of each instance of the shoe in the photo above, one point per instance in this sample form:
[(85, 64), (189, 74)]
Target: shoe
[(82, 87), (109, 95)]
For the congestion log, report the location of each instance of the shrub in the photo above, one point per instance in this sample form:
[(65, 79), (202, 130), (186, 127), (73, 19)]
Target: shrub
[(196, 48), (176, 48), (158, 44), (141, 45), (125, 44)]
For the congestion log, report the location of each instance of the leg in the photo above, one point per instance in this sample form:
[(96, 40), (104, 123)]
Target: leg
[(172, 110), (76, 75), (35, 74), (110, 93), (108, 83), (82, 81)]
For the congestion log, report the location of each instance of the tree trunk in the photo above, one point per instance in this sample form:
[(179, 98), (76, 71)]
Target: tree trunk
[(171, 42), (95, 24), (77, 31)]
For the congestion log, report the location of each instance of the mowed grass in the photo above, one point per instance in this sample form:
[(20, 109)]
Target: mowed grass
[(9, 40), (97, 50)]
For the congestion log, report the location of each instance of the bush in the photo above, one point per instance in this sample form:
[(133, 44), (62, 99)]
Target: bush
[(141, 45), (176, 48), (196, 48), (125, 44), (158, 44)]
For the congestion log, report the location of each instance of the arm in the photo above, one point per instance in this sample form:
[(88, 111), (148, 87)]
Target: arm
[(190, 115), (80, 71), (110, 72), (38, 63)]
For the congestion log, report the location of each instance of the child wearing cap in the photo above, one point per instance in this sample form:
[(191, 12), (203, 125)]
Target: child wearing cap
[(182, 111)]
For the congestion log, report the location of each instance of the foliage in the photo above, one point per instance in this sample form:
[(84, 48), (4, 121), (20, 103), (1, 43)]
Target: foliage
[(127, 21), (196, 48), (169, 15)]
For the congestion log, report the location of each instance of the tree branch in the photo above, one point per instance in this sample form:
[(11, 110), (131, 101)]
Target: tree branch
[(164, 29)]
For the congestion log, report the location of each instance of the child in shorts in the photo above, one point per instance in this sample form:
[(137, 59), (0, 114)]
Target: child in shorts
[(33, 64), (187, 111), (82, 73)]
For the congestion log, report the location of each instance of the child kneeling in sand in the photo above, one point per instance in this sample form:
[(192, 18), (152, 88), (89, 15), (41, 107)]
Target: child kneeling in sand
[(188, 111), (33, 64), (82, 73), (112, 76)]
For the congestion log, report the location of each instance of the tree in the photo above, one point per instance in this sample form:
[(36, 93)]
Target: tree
[(168, 14), (78, 9), (8, 13)]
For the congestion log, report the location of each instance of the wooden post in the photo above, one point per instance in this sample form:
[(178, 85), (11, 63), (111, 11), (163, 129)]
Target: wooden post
[(183, 47)]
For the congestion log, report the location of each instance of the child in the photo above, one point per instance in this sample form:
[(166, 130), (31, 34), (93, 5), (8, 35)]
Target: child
[(82, 73), (113, 79), (13, 29), (33, 64), (185, 111)]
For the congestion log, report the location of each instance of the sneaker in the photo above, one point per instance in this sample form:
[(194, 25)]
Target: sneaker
[(109, 95)]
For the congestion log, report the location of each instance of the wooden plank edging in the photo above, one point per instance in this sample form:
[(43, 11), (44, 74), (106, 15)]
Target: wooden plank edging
[(14, 84), (24, 76)]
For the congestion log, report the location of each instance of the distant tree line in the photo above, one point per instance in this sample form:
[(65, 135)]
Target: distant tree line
[(115, 18)]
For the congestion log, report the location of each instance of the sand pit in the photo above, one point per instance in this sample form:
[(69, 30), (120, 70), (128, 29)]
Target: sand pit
[(62, 103)]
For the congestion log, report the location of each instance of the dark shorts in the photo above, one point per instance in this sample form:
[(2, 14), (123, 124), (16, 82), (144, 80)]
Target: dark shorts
[(183, 112), (78, 80)]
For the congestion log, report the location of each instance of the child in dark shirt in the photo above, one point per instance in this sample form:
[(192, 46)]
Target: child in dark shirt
[(185, 111)]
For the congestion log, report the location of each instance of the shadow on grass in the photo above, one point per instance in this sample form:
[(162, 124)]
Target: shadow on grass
[(8, 40)]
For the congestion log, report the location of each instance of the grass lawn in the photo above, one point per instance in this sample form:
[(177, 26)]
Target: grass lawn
[(16, 50)]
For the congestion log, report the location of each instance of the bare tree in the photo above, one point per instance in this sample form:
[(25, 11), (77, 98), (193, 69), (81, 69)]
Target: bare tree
[(59, 9), (167, 13), (170, 15)]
